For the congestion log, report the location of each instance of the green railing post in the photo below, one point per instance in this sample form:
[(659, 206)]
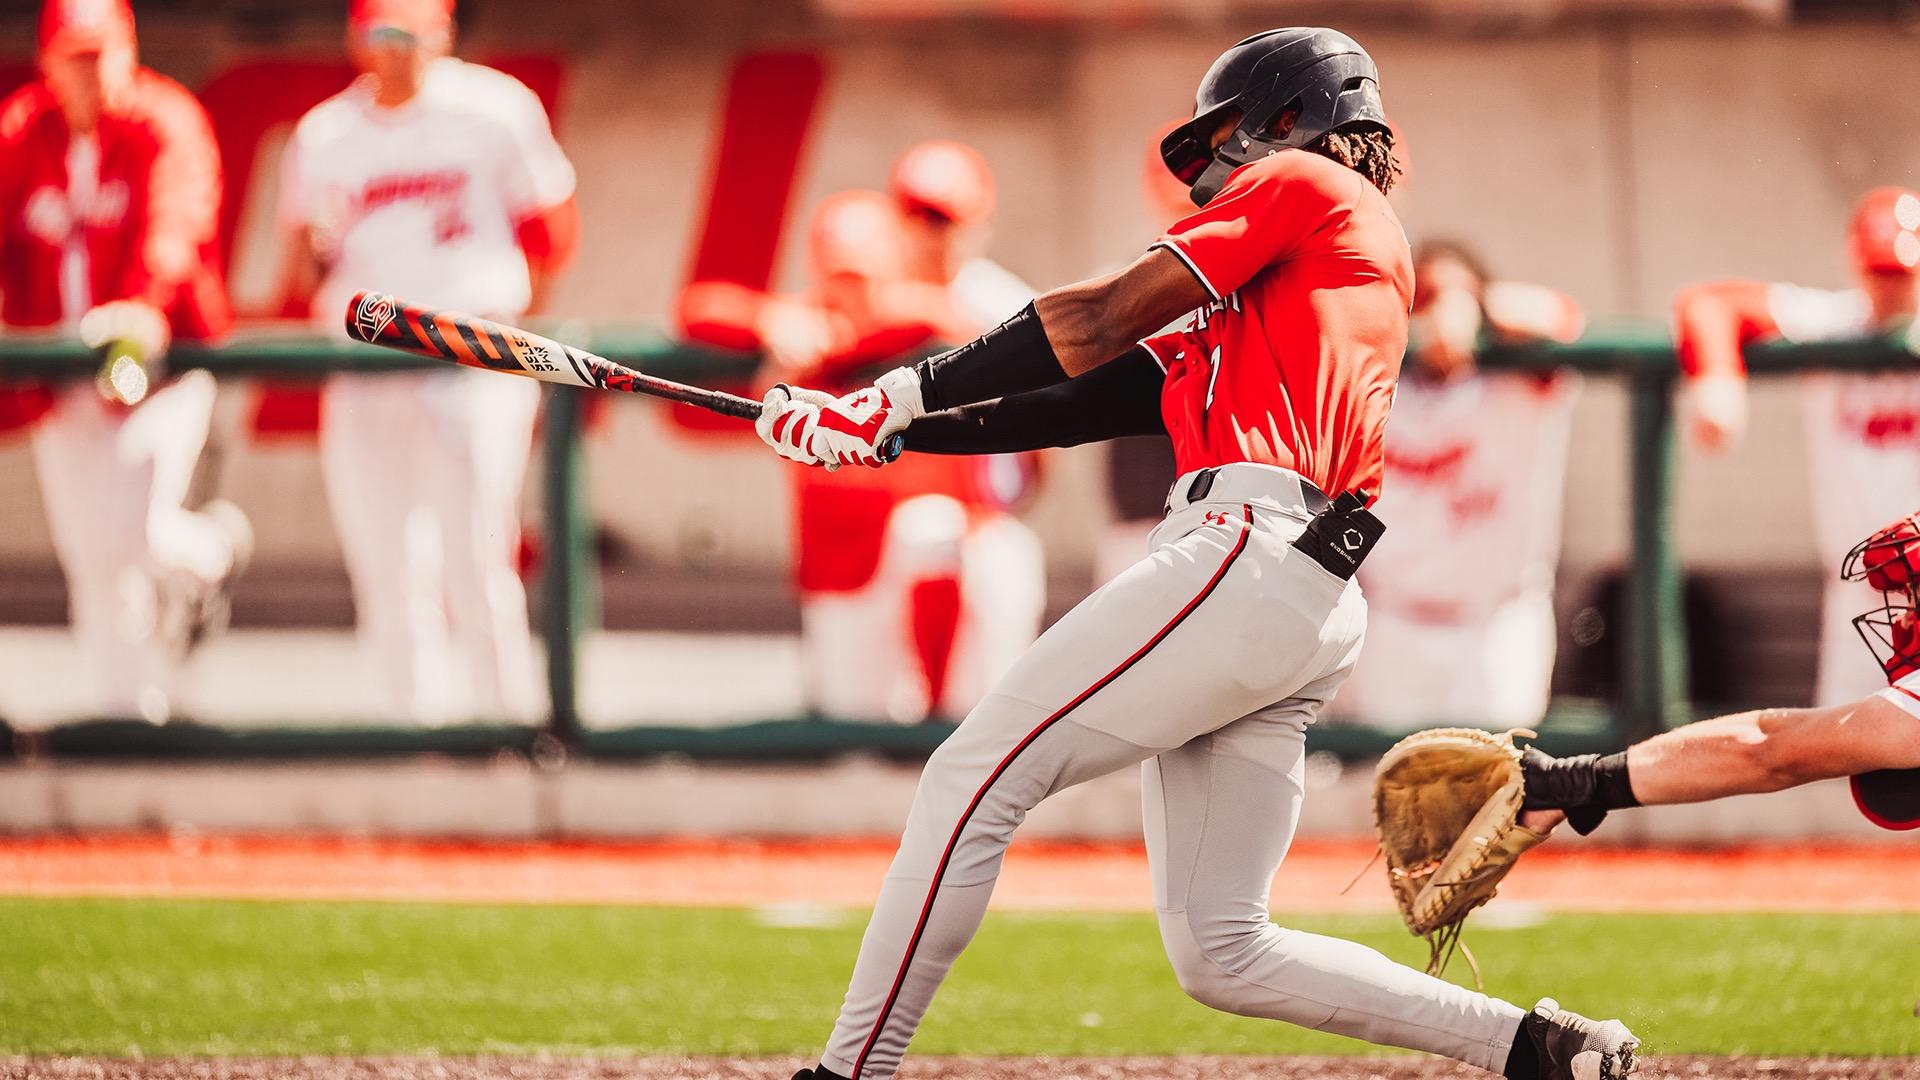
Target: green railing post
[(1655, 639), (566, 586)]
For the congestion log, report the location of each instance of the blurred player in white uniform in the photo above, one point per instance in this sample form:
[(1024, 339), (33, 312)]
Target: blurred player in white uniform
[(1863, 430), (1461, 587), (109, 199), (438, 181)]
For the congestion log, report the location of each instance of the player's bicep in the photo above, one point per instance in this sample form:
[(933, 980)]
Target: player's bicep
[(1095, 321), (1155, 290)]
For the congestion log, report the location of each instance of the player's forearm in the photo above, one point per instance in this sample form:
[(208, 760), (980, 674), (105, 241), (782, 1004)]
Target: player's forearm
[(1743, 754), (1773, 749), (183, 200), (1121, 398), (1067, 332), (1714, 320)]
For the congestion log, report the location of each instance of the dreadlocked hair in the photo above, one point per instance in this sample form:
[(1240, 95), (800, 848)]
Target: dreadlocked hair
[(1367, 151)]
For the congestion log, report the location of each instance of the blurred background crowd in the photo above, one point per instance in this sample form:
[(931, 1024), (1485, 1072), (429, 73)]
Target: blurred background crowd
[(823, 188)]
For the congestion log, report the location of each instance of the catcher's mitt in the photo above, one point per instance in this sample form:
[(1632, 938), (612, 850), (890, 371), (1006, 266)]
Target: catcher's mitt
[(1446, 804)]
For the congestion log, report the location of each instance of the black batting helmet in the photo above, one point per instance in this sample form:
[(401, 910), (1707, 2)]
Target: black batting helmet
[(1323, 74)]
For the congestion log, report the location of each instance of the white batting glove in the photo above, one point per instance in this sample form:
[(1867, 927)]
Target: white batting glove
[(813, 428), (789, 416), (902, 387), (852, 429), (136, 337)]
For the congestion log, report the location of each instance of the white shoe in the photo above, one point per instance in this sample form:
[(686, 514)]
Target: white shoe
[(1572, 1047)]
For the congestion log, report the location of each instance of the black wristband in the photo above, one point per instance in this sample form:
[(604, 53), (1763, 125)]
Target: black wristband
[(1612, 787), (1120, 397), (1586, 786), (1009, 359)]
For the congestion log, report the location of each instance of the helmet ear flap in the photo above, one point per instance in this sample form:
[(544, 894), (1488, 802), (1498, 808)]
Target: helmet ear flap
[(1188, 149)]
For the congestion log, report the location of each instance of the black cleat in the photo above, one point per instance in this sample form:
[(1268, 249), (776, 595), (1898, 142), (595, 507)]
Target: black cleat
[(818, 1072), (1572, 1047)]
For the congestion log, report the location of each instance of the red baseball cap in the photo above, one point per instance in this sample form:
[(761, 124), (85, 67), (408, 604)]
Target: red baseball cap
[(421, 18), (1886, 231), (77, 26), (949, 178)]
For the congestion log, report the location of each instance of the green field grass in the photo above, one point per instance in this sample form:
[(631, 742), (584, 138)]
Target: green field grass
[(191, 978)]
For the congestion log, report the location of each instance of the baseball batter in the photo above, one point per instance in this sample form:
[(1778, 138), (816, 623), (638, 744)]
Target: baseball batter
[(1874, 739), (1460, 623), (1863, 430), (439, 181), (1207, 659), (109, 199)]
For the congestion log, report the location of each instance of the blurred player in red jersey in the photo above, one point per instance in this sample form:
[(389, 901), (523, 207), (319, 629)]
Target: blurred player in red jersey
[(916, 587), (110, 190), (1863, 430), (1206, 660), (438, 181), (1460, 626), (946, 197), (1874, 739)]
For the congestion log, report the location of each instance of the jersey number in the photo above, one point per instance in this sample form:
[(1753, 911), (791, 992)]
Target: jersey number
[(1213, 361)]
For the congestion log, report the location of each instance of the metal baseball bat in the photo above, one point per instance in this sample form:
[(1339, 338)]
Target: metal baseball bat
[(470, 341)]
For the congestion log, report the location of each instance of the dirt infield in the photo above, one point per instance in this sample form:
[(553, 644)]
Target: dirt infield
[(1186, 1068), (841, 873)]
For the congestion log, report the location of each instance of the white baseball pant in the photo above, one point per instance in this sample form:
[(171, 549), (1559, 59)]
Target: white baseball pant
[(1205, 661), (424, 472), (113, 480)]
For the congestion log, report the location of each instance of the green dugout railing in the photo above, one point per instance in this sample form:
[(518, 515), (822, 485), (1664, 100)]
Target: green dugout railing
[(1654, 661)]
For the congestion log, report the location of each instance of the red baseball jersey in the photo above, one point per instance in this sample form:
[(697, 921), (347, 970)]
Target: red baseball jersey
[(148, 225), (1294, 361)]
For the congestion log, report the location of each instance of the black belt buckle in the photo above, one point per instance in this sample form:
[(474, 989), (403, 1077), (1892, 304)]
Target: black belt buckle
[(1340, 536)]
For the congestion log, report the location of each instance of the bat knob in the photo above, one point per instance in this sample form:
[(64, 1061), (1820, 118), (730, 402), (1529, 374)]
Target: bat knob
[(891, 449)]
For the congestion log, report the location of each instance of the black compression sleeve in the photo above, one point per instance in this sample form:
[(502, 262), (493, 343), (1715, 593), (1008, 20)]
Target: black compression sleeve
[(1120, 397), (1009, 359)]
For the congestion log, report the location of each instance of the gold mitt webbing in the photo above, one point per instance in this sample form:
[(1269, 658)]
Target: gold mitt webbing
[(1446, 805)]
